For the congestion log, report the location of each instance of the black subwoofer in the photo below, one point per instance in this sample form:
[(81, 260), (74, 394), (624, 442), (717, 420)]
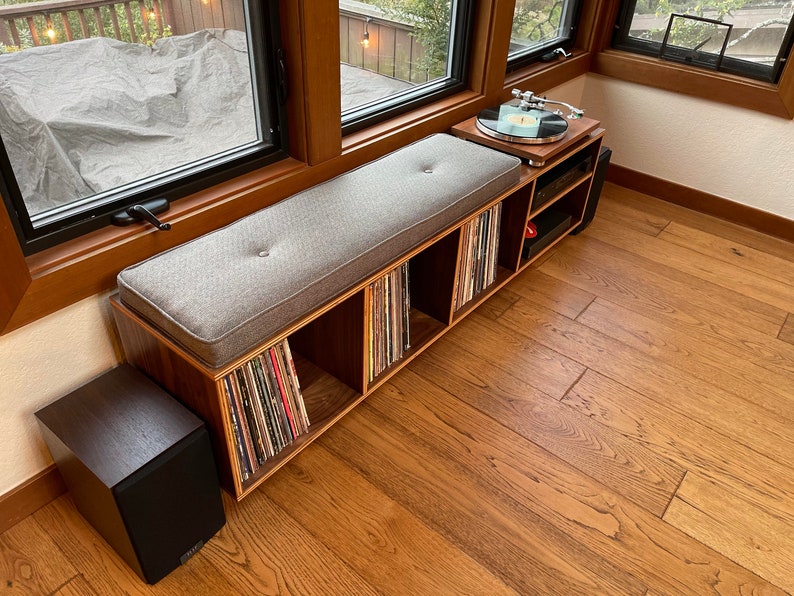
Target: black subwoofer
[(139, 467)]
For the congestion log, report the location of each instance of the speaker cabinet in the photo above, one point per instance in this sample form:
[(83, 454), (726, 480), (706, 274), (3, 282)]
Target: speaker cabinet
[(139, 468), (599, 175)]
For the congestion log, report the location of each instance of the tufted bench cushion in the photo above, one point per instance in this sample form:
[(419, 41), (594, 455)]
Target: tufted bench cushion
[(221, 295)]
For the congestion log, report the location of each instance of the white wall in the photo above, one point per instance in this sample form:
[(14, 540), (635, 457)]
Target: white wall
[(40, 363), (741, 155), (738, 154)]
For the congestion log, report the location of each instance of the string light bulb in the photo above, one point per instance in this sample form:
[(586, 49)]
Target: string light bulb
[(50, 29), (365, 38), (152, 14)]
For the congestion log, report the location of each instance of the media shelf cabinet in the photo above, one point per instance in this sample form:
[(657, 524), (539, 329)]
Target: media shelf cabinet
[(331, 344)]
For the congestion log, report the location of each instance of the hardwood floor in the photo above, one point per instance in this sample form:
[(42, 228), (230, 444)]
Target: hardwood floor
[(617, 420)]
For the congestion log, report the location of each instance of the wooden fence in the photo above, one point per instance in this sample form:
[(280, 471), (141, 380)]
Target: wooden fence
[(392, 50)]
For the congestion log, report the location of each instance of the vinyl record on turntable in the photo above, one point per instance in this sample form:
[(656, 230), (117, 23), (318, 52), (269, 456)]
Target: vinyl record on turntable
[(509, 122)]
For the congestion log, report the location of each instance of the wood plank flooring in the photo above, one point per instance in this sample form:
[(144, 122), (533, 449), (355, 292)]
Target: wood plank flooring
[(617, 420)]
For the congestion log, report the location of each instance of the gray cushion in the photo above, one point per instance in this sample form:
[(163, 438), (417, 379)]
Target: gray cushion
[(223, 294)]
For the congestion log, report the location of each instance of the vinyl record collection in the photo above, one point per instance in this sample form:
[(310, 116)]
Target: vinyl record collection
[(265, 406), (480, 248), (389, 319)]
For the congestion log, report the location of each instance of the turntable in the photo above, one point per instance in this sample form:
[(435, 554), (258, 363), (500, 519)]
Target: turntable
[(524, 120), (524, 128)]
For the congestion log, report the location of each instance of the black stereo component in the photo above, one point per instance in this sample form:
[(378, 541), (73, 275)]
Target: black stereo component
[(562, 175), (550, 225)]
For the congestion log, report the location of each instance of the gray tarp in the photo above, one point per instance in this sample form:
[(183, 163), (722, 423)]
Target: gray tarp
[(86, 116)]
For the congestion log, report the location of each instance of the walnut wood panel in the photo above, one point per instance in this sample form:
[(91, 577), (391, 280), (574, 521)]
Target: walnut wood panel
[(515, 211), (334, 336), (326, 400), (325, 397), (183, 378), (543, 154), (572, 201), (432, 277), (503, 275), (336, 342)]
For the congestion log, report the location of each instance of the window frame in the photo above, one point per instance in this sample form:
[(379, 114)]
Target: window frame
[(769, 98), (393, 105), (528, 57), (264, 32), (730, 66)]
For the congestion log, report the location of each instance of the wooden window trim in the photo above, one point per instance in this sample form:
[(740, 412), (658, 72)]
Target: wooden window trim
[(774, 99)]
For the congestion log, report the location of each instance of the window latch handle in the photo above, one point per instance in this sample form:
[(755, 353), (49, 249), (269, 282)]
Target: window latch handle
[(143, 212)]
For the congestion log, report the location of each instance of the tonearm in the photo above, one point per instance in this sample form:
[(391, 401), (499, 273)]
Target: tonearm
[(531, 101)]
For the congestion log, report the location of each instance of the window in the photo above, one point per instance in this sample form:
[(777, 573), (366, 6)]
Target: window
[(542, 29), (399, 54), (127, 101), (746, 38)]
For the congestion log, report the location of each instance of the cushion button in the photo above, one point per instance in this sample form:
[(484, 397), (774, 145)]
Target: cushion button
[(264, 253)]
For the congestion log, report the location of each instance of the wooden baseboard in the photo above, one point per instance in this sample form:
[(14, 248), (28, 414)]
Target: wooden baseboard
[(30, 496), (703, 202)]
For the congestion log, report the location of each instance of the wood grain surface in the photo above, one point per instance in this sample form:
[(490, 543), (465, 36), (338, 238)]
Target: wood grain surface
[(616, 420)]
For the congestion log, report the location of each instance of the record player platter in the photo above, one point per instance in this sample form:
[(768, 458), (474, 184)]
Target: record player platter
[(511, 123)]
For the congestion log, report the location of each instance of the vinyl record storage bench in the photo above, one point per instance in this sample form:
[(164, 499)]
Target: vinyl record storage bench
[(439, 224)]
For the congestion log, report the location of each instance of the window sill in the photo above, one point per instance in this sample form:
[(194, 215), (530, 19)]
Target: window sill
[(542, 76), (776, 100), (35, 286)]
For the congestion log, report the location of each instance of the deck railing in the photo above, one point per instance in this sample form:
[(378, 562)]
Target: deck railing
[(53, 21)]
